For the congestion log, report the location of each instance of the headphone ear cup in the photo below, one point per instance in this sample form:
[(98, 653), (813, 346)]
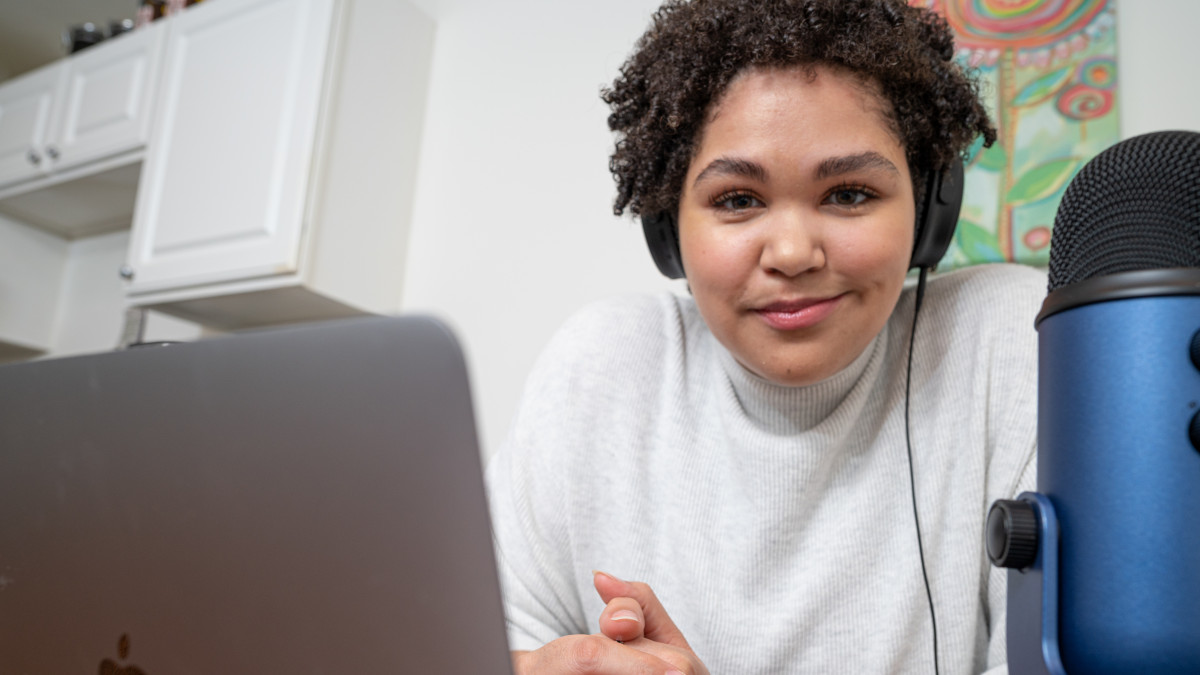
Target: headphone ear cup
[(938, 215), (662, 236)]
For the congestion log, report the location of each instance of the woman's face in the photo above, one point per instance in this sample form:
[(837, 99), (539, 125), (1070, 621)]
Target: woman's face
[(796, 222)]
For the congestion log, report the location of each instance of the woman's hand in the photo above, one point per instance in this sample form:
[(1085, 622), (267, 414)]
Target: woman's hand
[(635, 617), (637, 638)]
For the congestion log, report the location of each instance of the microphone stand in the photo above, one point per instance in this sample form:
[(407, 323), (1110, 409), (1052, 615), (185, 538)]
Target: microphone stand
[(1032, 590)]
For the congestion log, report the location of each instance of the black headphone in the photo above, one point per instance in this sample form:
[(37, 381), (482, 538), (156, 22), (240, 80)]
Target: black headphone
[(937, 215)]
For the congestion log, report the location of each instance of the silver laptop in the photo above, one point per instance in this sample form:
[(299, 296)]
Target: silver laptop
[(300, 500)]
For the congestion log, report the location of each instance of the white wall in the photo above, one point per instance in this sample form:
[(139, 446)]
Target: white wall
[(66, 297), (91, 305), (32, 264), (513, 228), (1158, 85)]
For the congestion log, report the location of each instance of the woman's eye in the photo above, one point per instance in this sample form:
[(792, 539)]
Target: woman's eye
[(847, 197), (737, 202)]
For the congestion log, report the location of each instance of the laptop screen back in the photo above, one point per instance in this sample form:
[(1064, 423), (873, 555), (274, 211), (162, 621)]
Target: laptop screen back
[(301, 500)]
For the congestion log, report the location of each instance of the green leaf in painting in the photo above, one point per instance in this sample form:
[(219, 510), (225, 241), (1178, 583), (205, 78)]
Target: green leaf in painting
[(990, 159), (1043, 88), (979, 245), (1042, 181), (994, 158)]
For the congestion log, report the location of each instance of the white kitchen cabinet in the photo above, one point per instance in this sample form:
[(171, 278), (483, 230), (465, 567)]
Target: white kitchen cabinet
[(105, 99), (70, 131), (25, 106), (278, 181)]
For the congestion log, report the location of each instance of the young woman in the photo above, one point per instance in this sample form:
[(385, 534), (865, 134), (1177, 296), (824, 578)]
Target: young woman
[(745, 451)]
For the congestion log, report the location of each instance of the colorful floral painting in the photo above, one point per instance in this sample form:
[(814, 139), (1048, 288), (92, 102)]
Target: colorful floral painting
[(1048, 72)]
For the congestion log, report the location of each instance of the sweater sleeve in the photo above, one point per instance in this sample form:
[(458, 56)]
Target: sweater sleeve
[(543, 477), (537, 603), (528, 520)]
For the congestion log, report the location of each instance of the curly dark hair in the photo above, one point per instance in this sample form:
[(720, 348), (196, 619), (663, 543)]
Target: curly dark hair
[(694, 49)]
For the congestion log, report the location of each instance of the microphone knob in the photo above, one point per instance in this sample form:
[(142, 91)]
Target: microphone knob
[(1196, 350), (1012, 534)]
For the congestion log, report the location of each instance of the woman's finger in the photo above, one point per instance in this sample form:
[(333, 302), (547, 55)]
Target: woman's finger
[(589, 655), (683, 660), (622, 620), (657, 625)]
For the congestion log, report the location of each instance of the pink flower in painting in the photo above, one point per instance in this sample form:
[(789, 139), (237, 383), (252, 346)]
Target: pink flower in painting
[(1038, 238)]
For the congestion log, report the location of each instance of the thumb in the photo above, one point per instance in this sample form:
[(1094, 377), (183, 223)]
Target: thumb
[(658, 626)]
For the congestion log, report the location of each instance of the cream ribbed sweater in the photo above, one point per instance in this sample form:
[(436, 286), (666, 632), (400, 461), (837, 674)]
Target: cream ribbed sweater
[(775, 523)]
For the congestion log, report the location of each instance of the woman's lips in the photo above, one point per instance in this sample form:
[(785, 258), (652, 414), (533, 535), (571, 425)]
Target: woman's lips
[(797, 314)]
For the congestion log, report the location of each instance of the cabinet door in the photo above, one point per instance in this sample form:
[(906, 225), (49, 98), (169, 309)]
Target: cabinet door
[(105, 104), (24, 119), (223, 188)]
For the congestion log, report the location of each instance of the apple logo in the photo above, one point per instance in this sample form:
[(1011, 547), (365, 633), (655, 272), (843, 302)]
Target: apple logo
[(110, 667)]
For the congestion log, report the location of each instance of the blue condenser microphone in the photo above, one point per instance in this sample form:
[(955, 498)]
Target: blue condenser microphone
[(1104, 560)]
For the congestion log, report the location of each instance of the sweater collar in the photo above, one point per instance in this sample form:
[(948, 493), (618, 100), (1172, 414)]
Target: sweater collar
[(783, 409)]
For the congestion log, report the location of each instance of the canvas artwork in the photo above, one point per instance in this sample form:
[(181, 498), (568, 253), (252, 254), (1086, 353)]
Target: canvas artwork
[(1048, 74)]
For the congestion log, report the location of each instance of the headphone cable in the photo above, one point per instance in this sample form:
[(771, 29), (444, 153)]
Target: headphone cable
[(911, 474)]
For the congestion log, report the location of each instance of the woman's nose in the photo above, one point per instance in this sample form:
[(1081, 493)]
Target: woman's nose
[(792, 246)]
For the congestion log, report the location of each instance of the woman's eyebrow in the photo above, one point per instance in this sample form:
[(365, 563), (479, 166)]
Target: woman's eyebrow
[(725, 166), (836, 166)]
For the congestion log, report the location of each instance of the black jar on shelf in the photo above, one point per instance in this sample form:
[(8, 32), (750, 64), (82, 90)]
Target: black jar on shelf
[(81, 37), (119, 26)]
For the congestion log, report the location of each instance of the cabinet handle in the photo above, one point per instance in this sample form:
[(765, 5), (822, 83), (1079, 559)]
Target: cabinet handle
[(52, 152), (34, 157), (126, 272)]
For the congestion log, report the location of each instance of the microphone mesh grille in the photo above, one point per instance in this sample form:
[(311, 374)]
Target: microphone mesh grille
[(1135, 206)]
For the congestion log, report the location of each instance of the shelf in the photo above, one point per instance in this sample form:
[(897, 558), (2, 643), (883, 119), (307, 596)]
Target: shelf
[(97, 199), (11, 352)]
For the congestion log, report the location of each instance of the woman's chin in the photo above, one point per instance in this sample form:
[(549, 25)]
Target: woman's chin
[(791, 375)]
